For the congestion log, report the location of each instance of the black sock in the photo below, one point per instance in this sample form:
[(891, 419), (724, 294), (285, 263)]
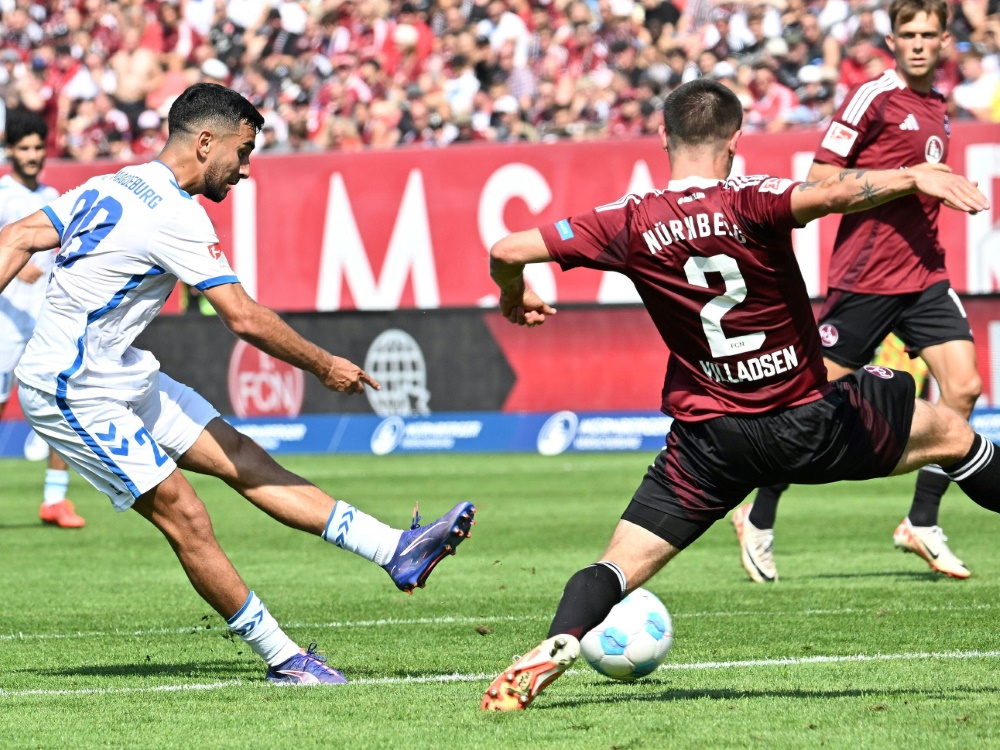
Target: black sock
[(588, 597), (978, 474), (765, 506), (931, 485)]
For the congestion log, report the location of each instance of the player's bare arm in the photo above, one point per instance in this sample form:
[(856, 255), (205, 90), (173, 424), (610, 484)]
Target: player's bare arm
[(19, 240), (851, 190), (261, 326), (820, 171), (508, 257)]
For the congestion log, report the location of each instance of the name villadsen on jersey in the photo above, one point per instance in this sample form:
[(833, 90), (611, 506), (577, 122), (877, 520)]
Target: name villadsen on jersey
[(754, 368)]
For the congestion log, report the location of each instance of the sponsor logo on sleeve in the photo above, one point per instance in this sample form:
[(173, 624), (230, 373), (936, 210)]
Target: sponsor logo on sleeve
[(880, 372), (776, 185), (564, 229), (839, 139)]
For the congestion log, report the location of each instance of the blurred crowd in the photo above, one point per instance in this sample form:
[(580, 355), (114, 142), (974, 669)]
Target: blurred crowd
[(355, 74)]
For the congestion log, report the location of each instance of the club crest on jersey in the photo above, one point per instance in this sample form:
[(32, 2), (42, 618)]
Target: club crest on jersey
[(880, 372), (828, 334), (934, 150), (215, 250), (839, 139)]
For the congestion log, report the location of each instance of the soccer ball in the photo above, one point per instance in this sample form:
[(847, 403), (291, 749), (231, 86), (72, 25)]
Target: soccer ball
[(633, 640)]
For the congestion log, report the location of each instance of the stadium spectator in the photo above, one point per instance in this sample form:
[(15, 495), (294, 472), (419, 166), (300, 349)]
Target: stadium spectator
[(820, 49), (862, 61), (974, 95), (137, 70), (21, 194), (149, 137), (727, 436), (773, 102), (887, 270), (144, 54), (816, 103), (93, 396)]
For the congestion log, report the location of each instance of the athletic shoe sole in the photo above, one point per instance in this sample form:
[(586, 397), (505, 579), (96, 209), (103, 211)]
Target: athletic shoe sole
[(517, 687)]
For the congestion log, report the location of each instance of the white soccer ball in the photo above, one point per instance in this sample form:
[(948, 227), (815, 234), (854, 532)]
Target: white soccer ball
[(633, 640)]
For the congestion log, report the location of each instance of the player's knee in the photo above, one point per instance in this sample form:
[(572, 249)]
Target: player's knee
[(184, 520), (962, 393)]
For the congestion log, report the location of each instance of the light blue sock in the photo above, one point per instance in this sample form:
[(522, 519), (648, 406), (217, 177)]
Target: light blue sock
[(255, 625), (56, 484)]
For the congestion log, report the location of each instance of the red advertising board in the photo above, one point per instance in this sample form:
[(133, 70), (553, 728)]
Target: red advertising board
[(412, 227)]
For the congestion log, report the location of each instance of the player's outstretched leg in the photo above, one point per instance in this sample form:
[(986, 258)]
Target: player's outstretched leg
[(632, 557), (408, 556)]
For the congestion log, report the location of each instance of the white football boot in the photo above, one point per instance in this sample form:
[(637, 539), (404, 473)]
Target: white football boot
[(756, 547), (929, 543)]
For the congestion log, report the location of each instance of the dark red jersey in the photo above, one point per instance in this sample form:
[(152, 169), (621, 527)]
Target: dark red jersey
[(893, 248), (713, 263)]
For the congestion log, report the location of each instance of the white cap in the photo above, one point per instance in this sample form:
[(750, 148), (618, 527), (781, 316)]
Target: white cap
[(810, 74), (776, 47), (405, 35), (506, 104), (723, 69), (622, 8), (148, 119), (215, 68)]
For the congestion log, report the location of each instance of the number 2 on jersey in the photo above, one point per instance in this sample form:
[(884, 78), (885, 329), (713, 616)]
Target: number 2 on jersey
[(717, 307), (85, 227)]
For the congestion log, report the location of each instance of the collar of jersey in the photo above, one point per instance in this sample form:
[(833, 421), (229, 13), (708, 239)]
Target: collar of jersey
[(677, 186)]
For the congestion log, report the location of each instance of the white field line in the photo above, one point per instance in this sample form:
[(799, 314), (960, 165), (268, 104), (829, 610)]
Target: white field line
[(404, 622), (457, 677)]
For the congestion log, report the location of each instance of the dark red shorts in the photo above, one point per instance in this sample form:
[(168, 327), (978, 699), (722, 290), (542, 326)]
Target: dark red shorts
[(858, 430)]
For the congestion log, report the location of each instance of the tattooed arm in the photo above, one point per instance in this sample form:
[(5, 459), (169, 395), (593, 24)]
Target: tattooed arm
[(850, 190), (819, 171)]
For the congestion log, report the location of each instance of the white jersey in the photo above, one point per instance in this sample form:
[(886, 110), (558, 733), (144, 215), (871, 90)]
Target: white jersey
[(126, 239), (20, 301)]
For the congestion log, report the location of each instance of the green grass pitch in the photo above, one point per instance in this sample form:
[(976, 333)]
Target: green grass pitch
[(103, 643)]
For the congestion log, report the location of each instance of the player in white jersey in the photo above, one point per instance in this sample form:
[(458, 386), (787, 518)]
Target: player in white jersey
[(22, 194), (126, 239)]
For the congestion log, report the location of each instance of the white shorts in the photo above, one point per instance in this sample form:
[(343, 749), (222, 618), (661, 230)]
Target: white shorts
[(123, 449)]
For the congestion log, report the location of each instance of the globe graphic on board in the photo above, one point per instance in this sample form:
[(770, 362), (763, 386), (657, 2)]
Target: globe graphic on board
[(395, 360)]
